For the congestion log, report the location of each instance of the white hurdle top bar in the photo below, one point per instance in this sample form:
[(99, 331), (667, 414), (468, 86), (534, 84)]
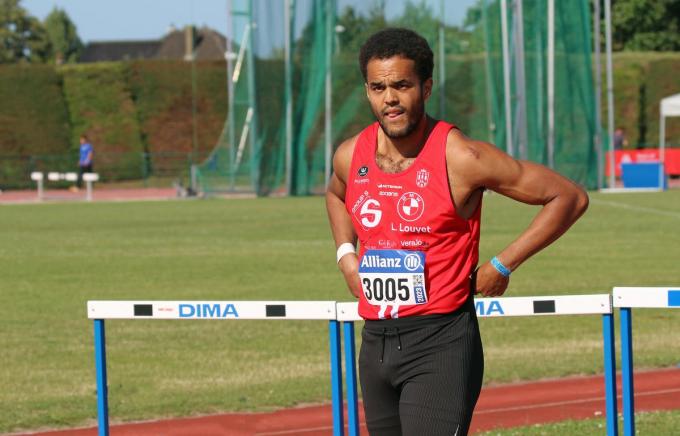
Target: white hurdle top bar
[(307, 310), (519, 306), (646, 297)]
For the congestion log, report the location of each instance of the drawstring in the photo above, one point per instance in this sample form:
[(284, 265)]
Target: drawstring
[(384, 333), (382, 354)]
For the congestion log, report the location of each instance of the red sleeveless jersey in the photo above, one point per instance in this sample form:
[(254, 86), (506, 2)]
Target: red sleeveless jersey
[(412, 211)]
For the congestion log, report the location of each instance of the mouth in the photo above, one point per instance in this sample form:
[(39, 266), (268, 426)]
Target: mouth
[(393, 114)]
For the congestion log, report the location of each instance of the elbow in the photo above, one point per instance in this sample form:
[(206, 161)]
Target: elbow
[(581, 202)]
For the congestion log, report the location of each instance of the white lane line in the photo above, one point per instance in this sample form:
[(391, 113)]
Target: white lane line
[(627, 206), (566, 403), (486, 411)]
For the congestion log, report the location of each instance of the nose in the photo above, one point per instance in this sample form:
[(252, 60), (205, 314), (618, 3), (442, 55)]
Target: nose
[(391, 98)]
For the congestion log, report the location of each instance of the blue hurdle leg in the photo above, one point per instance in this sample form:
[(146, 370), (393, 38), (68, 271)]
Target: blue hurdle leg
[(627, 371), (336, 378), (351, 382), (610, 374), (102, 385)]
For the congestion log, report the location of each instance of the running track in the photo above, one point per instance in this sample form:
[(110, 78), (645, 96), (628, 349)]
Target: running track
[(499, 406)]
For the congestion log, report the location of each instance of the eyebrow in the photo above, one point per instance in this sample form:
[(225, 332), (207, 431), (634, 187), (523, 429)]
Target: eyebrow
[(397, 83)]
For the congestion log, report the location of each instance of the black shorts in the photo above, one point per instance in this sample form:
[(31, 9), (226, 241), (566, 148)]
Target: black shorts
[(421, 375)]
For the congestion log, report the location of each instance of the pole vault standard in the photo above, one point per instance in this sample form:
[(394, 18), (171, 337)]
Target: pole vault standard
[(600, 304)]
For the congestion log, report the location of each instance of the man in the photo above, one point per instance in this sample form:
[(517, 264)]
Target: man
[(620, 141), (86, 154), (410, 189)]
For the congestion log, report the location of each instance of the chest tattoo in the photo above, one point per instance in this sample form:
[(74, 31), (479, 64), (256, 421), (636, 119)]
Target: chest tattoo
[(389, 165)]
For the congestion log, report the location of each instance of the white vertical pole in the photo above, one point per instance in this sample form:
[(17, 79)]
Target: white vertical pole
[(230, 90), (598, 94), (491, 126), (506, 79), (289, 95), (610, 93), (551, 83), (520, 81), (442, 63), (330, 11), (662, 149)]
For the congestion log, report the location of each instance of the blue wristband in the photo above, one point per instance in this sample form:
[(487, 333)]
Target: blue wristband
[(500, 267)]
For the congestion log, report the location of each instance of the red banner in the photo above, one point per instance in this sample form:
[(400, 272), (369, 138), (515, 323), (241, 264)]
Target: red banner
[(672, 158)]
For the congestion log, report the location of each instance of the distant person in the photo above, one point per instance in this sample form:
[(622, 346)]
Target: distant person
[(620, 141), (85, 161)]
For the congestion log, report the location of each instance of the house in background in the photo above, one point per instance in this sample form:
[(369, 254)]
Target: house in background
[(207, 44)]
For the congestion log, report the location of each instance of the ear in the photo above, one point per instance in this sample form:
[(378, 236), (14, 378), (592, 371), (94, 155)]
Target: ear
[(427, 88), (366, 88)]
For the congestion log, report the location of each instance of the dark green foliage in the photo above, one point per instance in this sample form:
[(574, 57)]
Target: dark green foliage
[(101, 106), (23, 36), (162, 93), (63, 36), (33, 121), (646, 25), (641, 80)]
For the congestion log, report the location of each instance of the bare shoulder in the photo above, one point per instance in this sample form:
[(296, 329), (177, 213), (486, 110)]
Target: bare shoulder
[(342, 160), (467, 160)]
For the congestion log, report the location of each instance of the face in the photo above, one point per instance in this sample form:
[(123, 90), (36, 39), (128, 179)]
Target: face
[(396, 94)]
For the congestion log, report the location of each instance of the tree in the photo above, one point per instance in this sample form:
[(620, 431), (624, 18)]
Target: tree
[(62, 33), (646, 25), (22, 37)]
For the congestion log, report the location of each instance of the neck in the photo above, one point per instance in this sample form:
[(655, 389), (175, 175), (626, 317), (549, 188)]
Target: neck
[(407, 146)]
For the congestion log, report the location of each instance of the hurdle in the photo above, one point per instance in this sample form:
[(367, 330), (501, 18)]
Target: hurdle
[(627, 298), (54, 176), (599, 304), (99, 311)]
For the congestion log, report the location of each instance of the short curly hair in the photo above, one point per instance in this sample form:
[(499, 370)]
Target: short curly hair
[(396, 41)]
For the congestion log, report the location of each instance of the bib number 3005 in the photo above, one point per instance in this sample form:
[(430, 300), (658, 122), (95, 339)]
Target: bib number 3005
[(394, 277)]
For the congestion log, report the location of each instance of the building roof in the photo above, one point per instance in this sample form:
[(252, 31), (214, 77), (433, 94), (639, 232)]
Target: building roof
[(175, 45)]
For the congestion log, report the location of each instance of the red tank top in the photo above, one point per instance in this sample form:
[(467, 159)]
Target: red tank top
[(413, 211)]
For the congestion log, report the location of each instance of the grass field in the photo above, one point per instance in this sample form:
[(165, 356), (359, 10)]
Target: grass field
[(648, 423), (55, 257)]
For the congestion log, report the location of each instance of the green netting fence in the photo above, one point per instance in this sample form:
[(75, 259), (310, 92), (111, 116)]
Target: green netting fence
[(298, 92)]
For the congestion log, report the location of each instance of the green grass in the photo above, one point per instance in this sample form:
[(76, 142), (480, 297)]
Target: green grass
[(646, 423), (55, 257)]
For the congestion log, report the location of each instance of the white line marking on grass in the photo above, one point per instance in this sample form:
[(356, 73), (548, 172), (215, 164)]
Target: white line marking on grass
[(486, 411), (636, 208), (303, 430), (569, 402)]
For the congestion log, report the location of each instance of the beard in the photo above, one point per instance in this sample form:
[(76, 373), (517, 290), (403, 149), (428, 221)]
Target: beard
[(410, 127)]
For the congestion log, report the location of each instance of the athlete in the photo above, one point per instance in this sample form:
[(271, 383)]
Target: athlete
[(409, 188)]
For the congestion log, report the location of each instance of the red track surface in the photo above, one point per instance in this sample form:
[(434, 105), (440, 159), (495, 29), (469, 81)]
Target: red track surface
[(499, 406), (104, 194)]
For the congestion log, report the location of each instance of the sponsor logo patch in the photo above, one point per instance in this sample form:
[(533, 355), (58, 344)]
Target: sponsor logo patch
[(410, 206), (422, 178), (363, 171)]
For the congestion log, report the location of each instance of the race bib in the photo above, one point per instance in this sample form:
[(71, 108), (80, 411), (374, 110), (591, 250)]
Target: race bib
[(393, 277)]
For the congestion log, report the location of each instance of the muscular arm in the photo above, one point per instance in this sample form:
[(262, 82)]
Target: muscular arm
[(475, 164), (340, 221)]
